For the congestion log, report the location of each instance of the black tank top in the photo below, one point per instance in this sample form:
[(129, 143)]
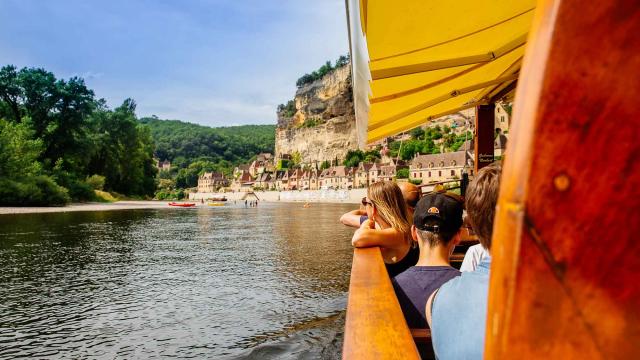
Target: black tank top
[(406, 262)]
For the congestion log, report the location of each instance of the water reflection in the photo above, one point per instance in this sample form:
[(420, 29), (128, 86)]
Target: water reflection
[(211, 282)]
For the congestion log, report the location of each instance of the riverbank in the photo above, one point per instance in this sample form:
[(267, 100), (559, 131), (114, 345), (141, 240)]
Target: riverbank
[(118, 205), (315, 196), (353, 196)]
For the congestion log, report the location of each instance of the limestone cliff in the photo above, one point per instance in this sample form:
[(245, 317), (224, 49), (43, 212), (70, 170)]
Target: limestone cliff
[(322, 125)]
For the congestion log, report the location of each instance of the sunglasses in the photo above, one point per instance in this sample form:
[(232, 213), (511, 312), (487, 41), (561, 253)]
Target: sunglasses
[(365, 202)]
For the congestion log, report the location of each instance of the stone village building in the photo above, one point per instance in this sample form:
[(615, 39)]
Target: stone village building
[(211, 181), (440, 167)]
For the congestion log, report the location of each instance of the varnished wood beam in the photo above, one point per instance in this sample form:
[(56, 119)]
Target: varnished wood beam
[(375, 327), (565, 269)]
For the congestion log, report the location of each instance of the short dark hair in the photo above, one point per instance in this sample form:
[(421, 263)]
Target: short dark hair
[(480, 202), (434, 239)]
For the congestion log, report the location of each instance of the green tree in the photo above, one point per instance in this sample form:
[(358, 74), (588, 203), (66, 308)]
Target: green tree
[(353, 158), (124, 151), (417, 133), (296, 158), (21, 180), (402, 174)]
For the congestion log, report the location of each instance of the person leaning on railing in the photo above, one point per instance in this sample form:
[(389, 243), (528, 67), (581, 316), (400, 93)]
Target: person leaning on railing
[(457, 311), (387, 227), (410, 194)]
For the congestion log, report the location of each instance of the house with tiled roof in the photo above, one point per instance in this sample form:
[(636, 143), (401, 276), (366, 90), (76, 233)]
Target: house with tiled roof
[(211, 182), (263, 181), (314, 180), (440, 167), (242, 181), (277, 184), (295, 179), (346, 180), (361, 175), (374, 172), (324, 179)]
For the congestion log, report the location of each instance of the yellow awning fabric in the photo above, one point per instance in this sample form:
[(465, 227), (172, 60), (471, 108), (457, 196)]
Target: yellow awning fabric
[(425, 59)]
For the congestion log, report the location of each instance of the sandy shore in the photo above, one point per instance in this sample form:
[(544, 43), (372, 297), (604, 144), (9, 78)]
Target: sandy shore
[(119, 205)]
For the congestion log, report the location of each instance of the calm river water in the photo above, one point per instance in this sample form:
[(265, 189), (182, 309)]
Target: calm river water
[(212, 282)]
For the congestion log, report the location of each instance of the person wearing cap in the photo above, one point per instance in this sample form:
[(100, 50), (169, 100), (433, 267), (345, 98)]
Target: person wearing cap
[(457, 311), (437, 221)]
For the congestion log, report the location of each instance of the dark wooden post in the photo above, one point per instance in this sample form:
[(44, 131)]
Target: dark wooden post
[(483, 144)]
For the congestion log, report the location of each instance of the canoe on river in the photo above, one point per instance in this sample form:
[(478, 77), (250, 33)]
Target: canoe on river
[(182, 204)]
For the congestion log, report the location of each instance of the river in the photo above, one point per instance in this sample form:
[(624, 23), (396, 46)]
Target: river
[(212, 282)]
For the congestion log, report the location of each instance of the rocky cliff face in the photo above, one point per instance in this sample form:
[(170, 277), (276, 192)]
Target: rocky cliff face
[(322, 126)]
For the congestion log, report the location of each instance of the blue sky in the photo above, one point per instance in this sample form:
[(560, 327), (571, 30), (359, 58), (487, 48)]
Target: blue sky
[(216, 63)]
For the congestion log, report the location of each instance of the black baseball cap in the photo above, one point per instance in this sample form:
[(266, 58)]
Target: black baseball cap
[(439, 212)]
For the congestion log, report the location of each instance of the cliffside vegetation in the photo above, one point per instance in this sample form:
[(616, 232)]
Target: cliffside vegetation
[(322, 71), (55, 136), (289, 109)]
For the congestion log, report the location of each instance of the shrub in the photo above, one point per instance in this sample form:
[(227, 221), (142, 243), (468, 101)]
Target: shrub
[(103, 196), (416, 181), (37, 191), (96, 182)]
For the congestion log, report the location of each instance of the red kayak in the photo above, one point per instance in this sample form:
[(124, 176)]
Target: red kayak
[(182, 204)]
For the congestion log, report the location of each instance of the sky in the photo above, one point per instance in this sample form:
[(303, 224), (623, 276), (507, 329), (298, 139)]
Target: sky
[(215, 63)]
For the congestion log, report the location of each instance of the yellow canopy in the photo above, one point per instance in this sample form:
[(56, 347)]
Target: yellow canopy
[(415, 60)]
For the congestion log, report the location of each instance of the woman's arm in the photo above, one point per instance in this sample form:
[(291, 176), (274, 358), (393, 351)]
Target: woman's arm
[(352, 218), (368, 236)]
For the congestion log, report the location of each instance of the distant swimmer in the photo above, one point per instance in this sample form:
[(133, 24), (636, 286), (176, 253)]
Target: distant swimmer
[(306, 205)]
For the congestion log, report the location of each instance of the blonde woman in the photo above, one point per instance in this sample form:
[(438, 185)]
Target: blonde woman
[(388, 227)]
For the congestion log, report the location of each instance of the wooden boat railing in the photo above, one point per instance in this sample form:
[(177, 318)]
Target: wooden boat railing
[(375, 327)]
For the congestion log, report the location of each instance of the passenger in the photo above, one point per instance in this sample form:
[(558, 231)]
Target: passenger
[(458, 310), (387, 227), (410, 193), (436, 227), (473, 257)]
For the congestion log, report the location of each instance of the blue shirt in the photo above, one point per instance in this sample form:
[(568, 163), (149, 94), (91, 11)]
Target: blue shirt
[(414, 286), (459, 314)]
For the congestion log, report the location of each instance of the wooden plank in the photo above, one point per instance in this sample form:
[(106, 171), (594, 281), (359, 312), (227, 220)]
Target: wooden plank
[(565, 270), (375, 327)]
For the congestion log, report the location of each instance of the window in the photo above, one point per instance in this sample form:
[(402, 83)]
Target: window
[(501, 118), (453, 172), (453, 163), (429, 173), (441, 163), (415, 175), (430, 164), (439, 173)]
